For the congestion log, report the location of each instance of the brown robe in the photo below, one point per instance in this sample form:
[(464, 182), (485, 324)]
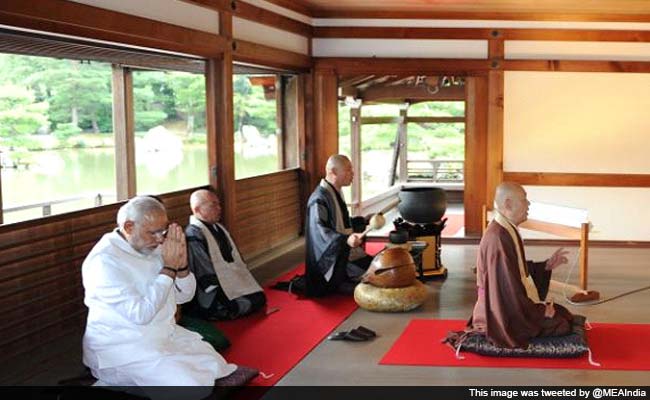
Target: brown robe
[(503, 311)]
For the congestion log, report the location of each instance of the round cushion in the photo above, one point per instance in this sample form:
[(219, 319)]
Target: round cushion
[(402, 299)]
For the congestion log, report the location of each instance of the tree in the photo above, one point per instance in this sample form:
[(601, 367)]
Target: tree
[(251, 108), (189, 93), (19, 114)]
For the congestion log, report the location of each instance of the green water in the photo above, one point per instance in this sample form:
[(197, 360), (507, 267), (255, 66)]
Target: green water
[(61, 174)]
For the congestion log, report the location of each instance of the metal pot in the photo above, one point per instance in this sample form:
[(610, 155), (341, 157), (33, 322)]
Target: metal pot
[(422, 205)]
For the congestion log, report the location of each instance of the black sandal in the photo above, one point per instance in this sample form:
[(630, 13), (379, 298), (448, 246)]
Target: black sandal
[(362, 330), (350, 336)]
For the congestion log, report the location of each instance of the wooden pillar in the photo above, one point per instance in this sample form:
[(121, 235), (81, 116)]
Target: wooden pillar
[(326, 126), (584, 254), (221, 145), (495, 115), (124, 132), (1, 206), (293, 118), (355, 154), (475, 193), (306, 139), (280, 121), (403, 145)]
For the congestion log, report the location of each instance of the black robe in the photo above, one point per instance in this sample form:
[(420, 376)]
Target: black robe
[(324, 245)]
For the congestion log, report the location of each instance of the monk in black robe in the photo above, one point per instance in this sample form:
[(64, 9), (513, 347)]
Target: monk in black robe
[(510, 309), (335, 261)]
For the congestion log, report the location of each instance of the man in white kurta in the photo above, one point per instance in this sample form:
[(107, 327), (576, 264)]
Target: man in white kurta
[(133, 279)]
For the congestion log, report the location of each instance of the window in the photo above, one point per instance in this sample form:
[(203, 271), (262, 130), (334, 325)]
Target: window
[(170, 131), (436, 143), (56, 136), (58, 124), (265, 121)]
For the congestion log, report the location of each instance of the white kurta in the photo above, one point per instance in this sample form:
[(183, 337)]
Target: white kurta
[(131, 337)]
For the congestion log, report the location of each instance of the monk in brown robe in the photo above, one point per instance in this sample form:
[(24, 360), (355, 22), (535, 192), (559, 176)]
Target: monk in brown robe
[(510, 309)]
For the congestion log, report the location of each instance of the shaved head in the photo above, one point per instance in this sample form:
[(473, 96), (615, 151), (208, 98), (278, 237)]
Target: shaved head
[(206, 206), (336, 162), (338, 171), (511, 201)]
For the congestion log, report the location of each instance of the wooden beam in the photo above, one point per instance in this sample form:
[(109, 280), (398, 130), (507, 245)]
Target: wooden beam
[(484, 15), (124, 132), (306, 139), (326, 130), (380, 120), (494, 133), (280, 128), (270, 56), (584, 255), (402, 129), (299, 7), (401, 66), (269, 18), (355, 155), (578, 179), (577, 35), (80, 20), (415, 120), (576, 66), (435, 120), (253, 13), (475, 190), (410, 92), (551, 228), (292, 117), (221, 74)]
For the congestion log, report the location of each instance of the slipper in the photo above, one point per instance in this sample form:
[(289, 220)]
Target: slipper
[(363, 331), (350, 336)]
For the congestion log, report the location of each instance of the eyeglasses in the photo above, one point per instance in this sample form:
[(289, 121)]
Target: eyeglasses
[(160, 233)]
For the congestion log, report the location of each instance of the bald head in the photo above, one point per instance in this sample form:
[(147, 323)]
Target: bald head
[(205, 206), (338, 171), (511, 201)]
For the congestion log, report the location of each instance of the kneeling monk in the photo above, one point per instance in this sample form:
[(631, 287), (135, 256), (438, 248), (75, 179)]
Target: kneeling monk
[(510, 309)]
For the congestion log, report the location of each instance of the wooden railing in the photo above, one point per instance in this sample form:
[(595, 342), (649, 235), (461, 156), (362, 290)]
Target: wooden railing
[(443, 171), (46, 206)]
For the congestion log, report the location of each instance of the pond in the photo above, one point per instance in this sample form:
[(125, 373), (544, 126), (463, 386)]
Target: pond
[(87, 172)]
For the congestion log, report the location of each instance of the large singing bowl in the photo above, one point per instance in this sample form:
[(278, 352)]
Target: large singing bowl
[(392, 268), (422, 205)]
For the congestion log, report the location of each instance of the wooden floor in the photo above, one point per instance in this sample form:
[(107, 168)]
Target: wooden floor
[(612, 271), (347, 363)]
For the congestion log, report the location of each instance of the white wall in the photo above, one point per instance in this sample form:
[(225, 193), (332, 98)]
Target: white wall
[(173, 12), (583, 123), (263, 34), (405, 48)]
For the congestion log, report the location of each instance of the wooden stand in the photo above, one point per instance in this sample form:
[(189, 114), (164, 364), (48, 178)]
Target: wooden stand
[(580, 234)]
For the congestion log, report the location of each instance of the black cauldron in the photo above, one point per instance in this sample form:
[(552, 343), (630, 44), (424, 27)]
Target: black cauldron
[(422, 205)]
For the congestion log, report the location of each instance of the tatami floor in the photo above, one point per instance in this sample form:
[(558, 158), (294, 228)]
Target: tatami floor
[(612, 271)]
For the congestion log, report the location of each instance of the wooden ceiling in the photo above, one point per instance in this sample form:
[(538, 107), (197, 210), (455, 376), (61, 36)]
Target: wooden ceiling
[(543, 10), (401, 89)]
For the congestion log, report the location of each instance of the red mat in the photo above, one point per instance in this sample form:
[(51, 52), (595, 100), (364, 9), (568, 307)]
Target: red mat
[(276, 342), (614, 346)]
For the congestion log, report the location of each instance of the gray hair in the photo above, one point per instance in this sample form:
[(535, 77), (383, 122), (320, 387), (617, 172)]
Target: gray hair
[(138, 209)]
